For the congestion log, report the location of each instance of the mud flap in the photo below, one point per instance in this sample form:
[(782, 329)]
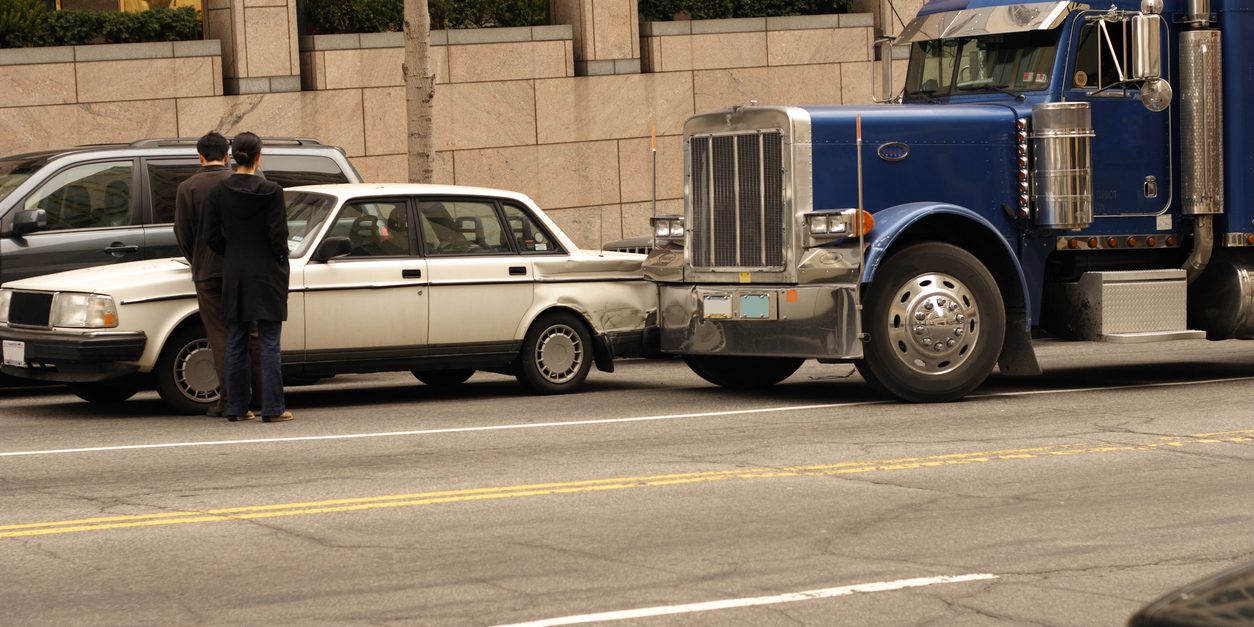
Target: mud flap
[(602, 354), (1018, 357)]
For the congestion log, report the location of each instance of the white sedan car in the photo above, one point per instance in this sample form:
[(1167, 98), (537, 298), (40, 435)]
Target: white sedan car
[(439, 280)]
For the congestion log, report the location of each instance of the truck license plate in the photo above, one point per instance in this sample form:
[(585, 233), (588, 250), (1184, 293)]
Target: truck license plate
[(716, 306), (15, 353), (755, 306)]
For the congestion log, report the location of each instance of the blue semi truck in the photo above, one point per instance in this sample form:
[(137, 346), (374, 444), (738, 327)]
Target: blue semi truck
[(1049, 169)]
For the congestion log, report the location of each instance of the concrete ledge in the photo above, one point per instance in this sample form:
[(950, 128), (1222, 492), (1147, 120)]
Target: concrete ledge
[(857, 19), (666, 29), (552, 33), (36, 56), (110, 52), (803, 22), (261, 85), (383, 40), (353, 41), (739, 25), (206, 48), (756, 24), (489, 35), (120, 52)]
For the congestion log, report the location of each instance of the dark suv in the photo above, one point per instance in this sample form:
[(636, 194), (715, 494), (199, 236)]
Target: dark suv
[(95, 205)]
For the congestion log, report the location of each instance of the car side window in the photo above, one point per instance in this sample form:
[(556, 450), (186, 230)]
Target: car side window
[(530, 235), (297, 170), (164, 177), (377, 228), (91, 195), (462, 227)]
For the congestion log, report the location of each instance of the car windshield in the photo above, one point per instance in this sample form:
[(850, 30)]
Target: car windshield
[(1006, 63), (13, 172), (306, 211)]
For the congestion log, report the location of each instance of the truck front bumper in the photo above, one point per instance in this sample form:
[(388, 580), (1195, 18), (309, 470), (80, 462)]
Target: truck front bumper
[(811, 321), (70, 358)]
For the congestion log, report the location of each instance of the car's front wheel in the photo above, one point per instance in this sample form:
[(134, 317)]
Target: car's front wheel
[(444, 378), (185, 376), (556, 354), (112, 391)]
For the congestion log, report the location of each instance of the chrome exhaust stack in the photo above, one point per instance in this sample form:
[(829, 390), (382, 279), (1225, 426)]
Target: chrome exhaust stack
[(1201, 133)]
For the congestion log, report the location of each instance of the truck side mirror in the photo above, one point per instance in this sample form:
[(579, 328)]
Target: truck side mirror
[(332, 247), (1146, 48), (29, 221), (883, 88)]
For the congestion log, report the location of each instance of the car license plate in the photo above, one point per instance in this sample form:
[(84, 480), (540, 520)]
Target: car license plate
[(716, 306), (15, 353)]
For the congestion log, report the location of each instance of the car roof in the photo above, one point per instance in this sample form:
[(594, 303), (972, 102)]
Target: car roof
[(169, 145), (354, 190)]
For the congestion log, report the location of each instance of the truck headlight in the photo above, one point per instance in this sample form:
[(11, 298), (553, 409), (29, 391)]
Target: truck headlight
[(6, 296), (668, 227), (826, 225), (89, 311)]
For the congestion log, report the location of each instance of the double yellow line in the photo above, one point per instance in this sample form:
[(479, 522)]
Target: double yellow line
[(255, 512)]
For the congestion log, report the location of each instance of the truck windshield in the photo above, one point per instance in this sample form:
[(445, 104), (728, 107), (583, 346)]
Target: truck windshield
[(13, 172), (1007, 63)]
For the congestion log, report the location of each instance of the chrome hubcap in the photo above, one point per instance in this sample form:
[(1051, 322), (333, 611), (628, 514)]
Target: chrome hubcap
[(933, 323), (559, 353), (195, 374)]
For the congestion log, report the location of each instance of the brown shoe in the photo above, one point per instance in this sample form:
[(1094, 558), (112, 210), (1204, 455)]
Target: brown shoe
[(248, 416), (283, 417)]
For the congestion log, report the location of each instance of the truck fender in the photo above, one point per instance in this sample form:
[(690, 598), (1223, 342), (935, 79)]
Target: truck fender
[(1018, 356)]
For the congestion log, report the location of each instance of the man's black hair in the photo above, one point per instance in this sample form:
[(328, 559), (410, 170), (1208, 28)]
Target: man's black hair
[(212, 146), (245, 148)]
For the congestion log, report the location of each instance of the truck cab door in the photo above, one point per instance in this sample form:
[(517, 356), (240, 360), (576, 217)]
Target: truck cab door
[(1132, 145)]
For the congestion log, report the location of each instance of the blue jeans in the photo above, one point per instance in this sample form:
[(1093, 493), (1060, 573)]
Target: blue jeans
[(239, 368)]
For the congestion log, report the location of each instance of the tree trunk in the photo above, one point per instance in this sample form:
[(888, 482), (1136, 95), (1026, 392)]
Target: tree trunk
[(419, 92)]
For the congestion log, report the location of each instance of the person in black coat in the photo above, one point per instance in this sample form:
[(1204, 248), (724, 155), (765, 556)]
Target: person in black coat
[(246, 222)]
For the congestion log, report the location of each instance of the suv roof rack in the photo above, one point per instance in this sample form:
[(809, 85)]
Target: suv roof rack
[(186, 141)]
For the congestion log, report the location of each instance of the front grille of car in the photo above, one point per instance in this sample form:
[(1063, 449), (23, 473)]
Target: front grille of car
[(738, 201), (30, 309)]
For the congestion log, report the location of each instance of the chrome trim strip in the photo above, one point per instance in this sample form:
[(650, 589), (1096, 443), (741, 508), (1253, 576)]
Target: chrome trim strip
[(158, 299)]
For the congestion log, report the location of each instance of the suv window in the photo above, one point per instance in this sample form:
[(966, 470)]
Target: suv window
[(462, 227), (164, 177), (297, 170), (531, 237), (87, 196)]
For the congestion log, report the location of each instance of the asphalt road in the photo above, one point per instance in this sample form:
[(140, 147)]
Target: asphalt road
[(1069, 499)]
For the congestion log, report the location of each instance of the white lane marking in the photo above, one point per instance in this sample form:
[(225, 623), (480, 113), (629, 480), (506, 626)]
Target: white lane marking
[(604, 421), (824, 593)]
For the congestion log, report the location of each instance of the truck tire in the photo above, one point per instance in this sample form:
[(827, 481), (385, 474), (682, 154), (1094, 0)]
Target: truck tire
[(556, 354), (929, 295), (743, 372), (112, 391), (185, 376), (444, 378)]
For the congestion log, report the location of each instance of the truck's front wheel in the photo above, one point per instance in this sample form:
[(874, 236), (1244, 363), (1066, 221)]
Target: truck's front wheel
[(742, 372), (936, 324)]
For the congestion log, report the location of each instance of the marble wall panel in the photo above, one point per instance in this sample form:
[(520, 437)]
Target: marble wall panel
[(382, 168), (139, 79), (194, 76), (45, 84), (635, 164), (503, 168), (482, 115), (612, 107), (269, 38), (855, 83), (588, 226), (364, 67), (635, 215), (727, 50), (829, 45), (555, 176), (613, 34), (507, 61), (799, 84), (385, 125), (334, 117)]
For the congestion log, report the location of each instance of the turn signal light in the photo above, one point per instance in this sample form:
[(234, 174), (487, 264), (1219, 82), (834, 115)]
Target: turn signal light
[(1151, 241), (1132, 241), (1112, 242), (1093, 242)]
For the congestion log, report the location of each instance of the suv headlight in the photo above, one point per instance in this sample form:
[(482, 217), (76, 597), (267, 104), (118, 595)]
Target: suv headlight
[(6, 296), (90, 311)]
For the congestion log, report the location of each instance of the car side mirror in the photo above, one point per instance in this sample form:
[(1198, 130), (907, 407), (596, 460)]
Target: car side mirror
[(29, 221), (332, 247)]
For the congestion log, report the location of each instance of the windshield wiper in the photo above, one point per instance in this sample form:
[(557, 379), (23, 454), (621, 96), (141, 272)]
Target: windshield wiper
[(1000, 88)]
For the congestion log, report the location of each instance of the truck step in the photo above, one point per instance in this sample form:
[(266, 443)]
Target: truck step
[(1131, 306)]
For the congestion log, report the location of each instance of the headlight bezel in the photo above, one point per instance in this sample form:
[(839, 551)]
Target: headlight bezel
[(83, 310), (826, 225)]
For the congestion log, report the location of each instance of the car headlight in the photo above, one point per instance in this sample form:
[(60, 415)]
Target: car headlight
[(5, 297), (89, 311), (668, 227)]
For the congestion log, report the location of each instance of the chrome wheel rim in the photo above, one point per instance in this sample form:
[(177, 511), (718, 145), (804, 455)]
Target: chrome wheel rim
[(559, 353), (194, 372), (933, 324)]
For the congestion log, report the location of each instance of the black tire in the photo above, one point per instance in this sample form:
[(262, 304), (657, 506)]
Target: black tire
[(926, 295), (301, 380), (739, 372), (185, 375), (111, 391), (556, 354), (444, 378)]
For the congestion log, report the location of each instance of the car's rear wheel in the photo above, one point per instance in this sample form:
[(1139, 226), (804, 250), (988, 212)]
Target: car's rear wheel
[(556, 354), (185, 375), (444, 378), (741, 372), (112, 391)]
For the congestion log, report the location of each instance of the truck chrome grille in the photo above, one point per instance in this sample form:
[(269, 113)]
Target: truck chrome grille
[(738, 201), (30, 308)]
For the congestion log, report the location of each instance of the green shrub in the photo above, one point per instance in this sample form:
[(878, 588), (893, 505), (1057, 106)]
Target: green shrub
[(375, 16), (22, 23), (666, 10), (76, 28)]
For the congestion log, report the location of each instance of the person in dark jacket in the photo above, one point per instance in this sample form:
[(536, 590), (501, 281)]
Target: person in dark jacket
[(205, 263), (246, 222)]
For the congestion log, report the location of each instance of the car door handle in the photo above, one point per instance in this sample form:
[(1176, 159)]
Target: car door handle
[(411, 274), (119, 248), (517, 270)]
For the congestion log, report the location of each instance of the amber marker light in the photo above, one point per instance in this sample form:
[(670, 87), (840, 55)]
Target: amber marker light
[(867, 221), (1093, 242), (1171, 240), (1112, 242), (1132, 242), (1151, 241), (1249, 239), (790, 296), (1073, 243)]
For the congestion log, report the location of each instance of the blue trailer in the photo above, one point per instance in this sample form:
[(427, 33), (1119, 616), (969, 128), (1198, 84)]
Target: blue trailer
[(1050, 168)]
